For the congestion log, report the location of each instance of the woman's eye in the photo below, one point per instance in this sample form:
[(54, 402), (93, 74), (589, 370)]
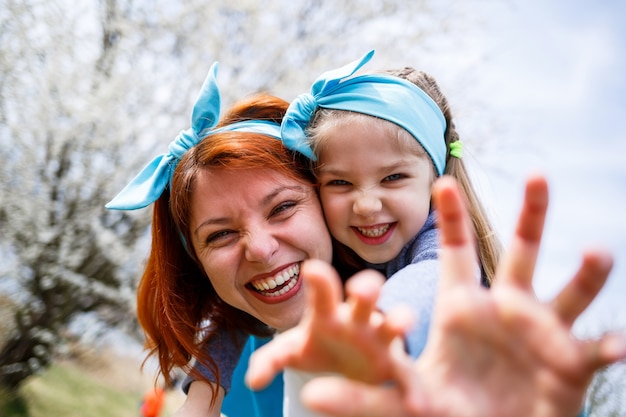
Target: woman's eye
[(283, 207), (217, 236)]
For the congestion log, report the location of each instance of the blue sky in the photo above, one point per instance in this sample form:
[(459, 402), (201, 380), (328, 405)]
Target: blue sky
[(554, 78)]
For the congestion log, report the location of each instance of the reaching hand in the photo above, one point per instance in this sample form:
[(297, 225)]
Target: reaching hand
[(490, 353), (350, 338)]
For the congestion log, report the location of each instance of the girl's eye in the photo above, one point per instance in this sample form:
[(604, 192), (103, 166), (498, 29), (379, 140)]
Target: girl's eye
[(394, 177), (337, 183)]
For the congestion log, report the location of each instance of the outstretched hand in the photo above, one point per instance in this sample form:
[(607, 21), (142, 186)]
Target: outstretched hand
[(497, 352), (351, 338)]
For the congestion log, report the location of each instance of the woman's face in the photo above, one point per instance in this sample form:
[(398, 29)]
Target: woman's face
[(251, 230)]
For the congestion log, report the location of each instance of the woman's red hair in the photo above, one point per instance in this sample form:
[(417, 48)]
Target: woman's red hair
[(175, 297)]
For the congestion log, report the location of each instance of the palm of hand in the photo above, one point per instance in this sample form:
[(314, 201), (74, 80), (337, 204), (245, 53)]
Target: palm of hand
[(482, 348), (490, 351)]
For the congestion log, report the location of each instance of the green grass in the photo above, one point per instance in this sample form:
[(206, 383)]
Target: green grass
[(65, 390), (12, 406), (109, 387)]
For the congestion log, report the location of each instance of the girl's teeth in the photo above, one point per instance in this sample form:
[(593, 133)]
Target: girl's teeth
[(379, 231)]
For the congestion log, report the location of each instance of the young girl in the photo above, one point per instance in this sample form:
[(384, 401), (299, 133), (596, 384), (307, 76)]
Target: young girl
[(378, 142)]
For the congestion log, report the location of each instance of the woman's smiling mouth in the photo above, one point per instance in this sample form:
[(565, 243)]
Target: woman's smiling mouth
[(278, 284)]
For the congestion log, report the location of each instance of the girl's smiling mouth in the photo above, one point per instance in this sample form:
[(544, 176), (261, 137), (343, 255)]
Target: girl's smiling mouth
[(376, 234), (373, 231)]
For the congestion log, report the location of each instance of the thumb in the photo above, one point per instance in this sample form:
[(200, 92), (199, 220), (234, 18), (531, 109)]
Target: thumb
[(269, 360)]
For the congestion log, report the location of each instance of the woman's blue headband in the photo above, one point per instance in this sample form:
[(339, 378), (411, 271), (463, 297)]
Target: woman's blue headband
[(150, 183), (385, 96)]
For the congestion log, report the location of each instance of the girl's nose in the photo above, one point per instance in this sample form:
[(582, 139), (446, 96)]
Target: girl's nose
[(261, 245), (367, 204)]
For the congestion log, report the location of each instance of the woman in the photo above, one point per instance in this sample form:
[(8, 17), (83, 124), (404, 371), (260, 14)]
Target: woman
[(235, 214)]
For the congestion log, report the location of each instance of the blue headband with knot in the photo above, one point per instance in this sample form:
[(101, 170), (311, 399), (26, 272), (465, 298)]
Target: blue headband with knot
[(385, 96), (150, 183)]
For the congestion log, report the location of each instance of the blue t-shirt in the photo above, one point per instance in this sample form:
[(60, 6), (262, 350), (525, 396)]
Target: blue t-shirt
[(240, 401)]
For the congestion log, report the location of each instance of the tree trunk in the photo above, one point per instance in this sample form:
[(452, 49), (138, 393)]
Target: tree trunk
[(21, 356)]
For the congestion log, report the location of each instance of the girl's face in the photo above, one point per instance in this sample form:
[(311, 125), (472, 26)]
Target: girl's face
[(251, 230), (375, 188)]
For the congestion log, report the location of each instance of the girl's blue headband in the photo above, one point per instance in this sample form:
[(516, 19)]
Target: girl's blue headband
[(150, 183), (385, 96)]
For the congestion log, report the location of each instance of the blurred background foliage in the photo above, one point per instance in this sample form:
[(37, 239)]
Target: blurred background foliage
[(90, 90)]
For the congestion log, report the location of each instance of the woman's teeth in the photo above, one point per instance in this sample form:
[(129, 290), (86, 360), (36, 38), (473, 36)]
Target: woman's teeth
[(287, 278)]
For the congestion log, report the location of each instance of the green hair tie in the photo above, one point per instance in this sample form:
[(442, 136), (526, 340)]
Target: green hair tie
[(456, 149)]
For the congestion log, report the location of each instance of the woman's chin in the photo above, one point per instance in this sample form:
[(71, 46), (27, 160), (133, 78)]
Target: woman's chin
[(282, 322)]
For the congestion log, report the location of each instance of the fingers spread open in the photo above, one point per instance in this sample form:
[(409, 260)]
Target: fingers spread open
[(584, 287), (458, 256), (323, 287), (270, 359), (362, 291), (398, 321), (610, 348), (518, 265)]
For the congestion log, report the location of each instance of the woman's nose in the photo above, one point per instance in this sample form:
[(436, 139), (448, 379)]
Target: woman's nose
[(367, 204), (261, 245)]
